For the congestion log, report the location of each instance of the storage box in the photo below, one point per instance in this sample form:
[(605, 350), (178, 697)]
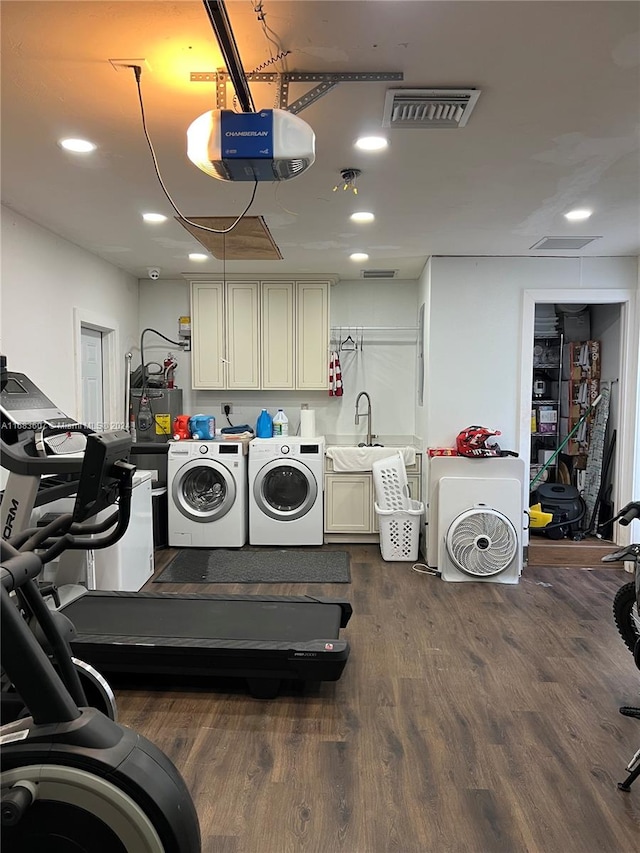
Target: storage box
[(581, 360), (577, 327)]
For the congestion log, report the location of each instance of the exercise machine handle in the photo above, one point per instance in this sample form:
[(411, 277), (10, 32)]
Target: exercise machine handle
[(629, 513)]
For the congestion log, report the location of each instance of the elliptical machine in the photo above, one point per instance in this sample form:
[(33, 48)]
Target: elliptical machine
[(626, 613), (71, 778)]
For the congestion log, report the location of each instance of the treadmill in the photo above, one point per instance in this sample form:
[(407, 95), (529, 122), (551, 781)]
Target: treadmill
[(263, 639)]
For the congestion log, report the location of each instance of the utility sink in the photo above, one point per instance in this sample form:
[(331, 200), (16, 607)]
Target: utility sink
[(347, 458)]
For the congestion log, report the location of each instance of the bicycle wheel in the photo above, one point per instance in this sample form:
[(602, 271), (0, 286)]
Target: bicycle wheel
[(625, 613)]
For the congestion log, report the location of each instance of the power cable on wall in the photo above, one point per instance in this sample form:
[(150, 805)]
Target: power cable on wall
[(137, 70)]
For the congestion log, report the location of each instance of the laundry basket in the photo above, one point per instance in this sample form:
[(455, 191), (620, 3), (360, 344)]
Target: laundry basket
[(400, 531), (390, 482), (398, 515)]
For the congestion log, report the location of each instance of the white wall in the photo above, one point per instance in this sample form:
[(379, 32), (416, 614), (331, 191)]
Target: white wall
[(385, 367), (474, 338), (44, 279)]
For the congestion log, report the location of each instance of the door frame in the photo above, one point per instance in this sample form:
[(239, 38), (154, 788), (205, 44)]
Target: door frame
[(109, 329), (627, 463)]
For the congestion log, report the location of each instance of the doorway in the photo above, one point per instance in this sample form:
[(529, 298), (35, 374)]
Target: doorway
[(92, 400), (613, 314), (99, 388)]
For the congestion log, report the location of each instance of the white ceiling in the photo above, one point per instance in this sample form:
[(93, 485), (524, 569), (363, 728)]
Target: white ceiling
[(557, 126)]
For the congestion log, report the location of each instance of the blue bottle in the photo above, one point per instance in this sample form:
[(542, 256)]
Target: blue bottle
[(264, 427)]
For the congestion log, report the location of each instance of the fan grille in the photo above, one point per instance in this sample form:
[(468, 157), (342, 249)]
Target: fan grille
[(482, 542)]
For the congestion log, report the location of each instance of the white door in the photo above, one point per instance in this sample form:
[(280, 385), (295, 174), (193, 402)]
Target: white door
[(92, 411)]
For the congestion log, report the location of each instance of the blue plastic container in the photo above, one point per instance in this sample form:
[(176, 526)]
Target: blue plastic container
[(203, 427), (264, 427)]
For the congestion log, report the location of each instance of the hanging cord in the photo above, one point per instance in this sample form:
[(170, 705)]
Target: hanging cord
[(137, 70), (275, 42)]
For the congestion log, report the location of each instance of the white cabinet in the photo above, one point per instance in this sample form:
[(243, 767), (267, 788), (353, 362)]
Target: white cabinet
[(349, 511), (260, 334), (225, 320), (278, 338), (312, 335), (207, 331), (348, 505), (243, 334)]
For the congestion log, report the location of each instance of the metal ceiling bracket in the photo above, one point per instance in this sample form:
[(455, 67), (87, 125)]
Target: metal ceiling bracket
[(325, 81)]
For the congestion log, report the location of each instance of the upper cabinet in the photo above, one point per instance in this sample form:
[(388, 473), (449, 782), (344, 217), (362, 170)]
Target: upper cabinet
[(225, 322), (260, 334), (278, 334), (312, 335)]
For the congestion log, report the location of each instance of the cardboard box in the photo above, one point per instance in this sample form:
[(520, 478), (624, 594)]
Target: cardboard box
[(581, 360)]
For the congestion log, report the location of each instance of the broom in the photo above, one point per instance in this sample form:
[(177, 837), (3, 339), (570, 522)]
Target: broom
[(565, 441)]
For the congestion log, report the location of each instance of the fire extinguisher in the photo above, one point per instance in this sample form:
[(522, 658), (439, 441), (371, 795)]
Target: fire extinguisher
[(169, 365)]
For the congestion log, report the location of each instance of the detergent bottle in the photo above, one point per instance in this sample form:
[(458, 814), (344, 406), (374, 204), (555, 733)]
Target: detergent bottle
[(281, 424), (264, 426)]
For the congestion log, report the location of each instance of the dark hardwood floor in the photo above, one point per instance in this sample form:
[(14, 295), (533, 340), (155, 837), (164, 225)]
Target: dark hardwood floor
[(471, 718)]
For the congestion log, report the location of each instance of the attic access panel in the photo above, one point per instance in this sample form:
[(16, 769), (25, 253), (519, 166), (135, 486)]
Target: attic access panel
[(250, 240)]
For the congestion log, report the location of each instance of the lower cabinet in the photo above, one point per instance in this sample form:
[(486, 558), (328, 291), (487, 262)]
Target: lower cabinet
[(349, 512)]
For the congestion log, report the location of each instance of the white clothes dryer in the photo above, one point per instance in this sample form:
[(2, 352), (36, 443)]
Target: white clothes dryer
[(207, 483), (286, 505)]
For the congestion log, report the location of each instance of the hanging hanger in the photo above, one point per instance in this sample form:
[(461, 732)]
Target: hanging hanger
[(348, 344)]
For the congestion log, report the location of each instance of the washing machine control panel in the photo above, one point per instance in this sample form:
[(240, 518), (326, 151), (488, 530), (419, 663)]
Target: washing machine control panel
[(203, 448), (285, 448)]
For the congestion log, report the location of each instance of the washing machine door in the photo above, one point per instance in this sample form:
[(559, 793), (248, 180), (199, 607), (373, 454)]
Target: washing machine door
[(285, 489), (203, 490)]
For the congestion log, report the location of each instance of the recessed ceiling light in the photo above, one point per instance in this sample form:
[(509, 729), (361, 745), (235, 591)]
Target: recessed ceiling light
[(371, 143), (78, 146), (198, 256), (154, 217), (359, 256), (578, 215), (362, 216)]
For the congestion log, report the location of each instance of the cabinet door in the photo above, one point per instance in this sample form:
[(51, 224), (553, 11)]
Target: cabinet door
[(347, 503), (312, 335), (207, 334), (277, 334), (243, 329)]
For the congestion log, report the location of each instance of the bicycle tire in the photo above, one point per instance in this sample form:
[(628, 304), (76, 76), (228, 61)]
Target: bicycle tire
[(625, 614)]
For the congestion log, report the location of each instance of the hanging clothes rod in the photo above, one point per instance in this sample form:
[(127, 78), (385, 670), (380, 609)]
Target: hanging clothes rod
[(378, 328)]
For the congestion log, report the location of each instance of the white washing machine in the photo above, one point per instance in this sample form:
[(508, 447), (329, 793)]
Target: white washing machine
[(285, 491), (207, 483)]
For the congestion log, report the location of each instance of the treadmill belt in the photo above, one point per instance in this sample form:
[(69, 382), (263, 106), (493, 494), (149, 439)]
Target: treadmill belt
[(195, 618)]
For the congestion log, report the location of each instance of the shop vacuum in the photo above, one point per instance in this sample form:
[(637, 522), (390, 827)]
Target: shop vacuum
[(556, 510)]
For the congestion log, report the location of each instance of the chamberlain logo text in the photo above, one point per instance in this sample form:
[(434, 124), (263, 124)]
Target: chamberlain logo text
[(247, 133)]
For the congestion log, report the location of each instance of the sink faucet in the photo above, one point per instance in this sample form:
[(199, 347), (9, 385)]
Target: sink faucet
[(362, 415)]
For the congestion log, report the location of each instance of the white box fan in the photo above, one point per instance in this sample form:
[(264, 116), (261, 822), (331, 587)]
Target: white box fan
[(476, 518)]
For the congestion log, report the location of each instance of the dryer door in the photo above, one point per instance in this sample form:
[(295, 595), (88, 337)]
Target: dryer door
[(285, 489), (203, 490)]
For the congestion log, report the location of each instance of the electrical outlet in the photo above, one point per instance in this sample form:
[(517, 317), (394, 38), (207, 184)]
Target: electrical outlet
[(224, 407)]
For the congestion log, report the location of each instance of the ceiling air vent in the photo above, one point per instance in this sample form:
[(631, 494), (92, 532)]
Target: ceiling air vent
[(421, 108), (563, 243), (378, 273)]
